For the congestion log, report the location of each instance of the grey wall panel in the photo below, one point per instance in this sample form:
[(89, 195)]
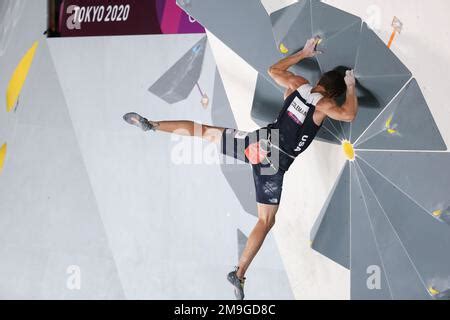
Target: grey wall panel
[(325, 135), (293, 36), (177, 83), (292, 25), (403, 281), (267, 102), (345, 129), (381, 73), (331, 233), (375, 58), (382, 88), (375, 93), (420, 175), (308, 69), (340, 49), (425, 239), (340, 33), (335, 127), (327, 21), (338, 30), (284, 19), (412, 122), (229, 20), (365, 254)]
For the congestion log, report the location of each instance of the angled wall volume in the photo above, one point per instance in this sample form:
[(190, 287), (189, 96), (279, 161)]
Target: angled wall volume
[(331, 233), (406, 124), (390, 265), (177, 83)]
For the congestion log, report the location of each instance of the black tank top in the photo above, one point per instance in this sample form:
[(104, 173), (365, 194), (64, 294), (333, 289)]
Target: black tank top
[(294, 130)]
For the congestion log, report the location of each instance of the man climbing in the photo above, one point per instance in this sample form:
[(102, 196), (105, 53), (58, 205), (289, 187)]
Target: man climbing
[(272, 150)]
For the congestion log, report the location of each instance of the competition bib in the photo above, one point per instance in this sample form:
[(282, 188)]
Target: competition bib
[(298, 111)]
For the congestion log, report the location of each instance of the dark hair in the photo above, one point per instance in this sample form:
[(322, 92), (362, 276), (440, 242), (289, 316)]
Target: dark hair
[(333, 82)]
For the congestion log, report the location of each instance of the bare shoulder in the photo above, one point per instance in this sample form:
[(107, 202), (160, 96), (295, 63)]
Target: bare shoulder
[(294, 84), (326, 104), (298, 81)]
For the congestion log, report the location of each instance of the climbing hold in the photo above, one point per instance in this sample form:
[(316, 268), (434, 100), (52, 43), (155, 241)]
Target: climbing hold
[(348, 149), (318, 42), (283, 49), (397, 27), (392, 131), (205, 101), (388, 122), (433, 291), (389, 129), (443, 294), (18, 78), (442, 215), (437, 213), (197, 48), (3, 150)]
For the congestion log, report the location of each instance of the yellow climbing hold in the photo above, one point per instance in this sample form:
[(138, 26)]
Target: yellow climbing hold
[(348, 149), (437, 213), (388, 126), (3, 150), (283, 49), (18, 78), (392, 131), (433, 291)]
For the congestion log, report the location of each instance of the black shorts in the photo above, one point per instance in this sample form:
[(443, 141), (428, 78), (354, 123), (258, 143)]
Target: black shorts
[(268, 179)]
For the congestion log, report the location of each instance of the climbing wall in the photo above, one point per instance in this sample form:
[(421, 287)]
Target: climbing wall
[(371, 223), (91, 208)]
